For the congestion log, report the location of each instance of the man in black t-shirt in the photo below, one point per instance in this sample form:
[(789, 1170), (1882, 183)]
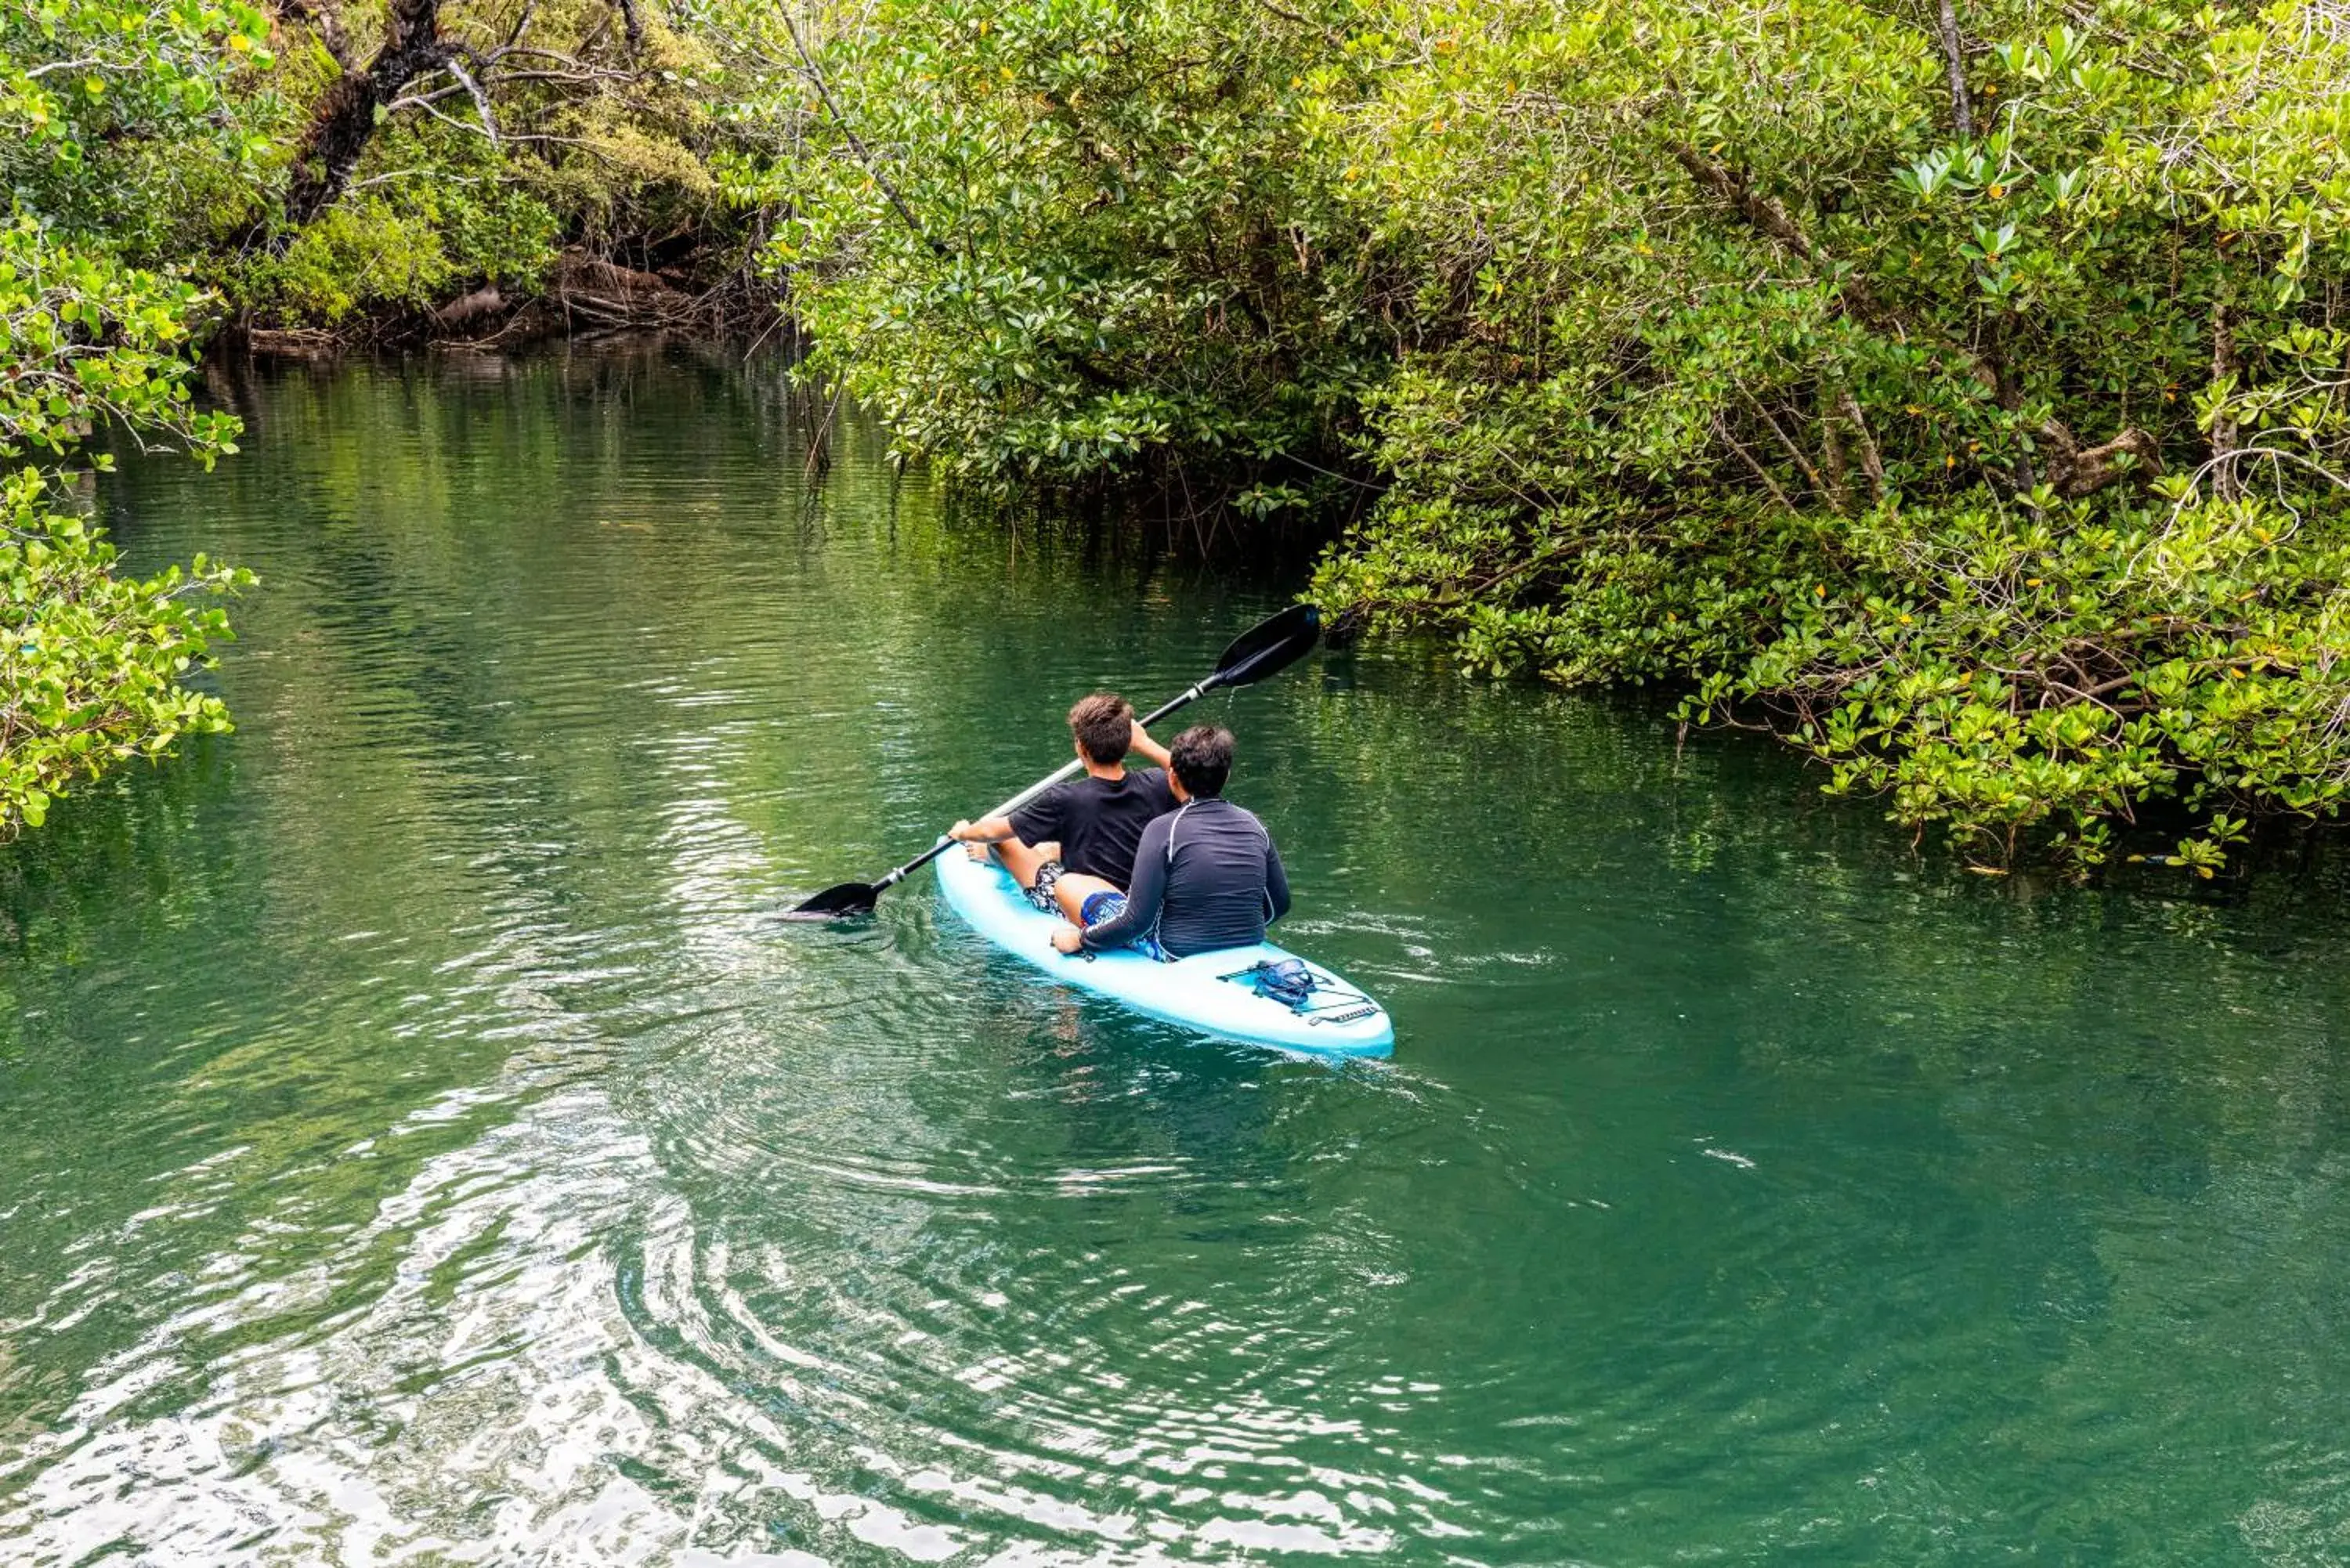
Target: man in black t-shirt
[(1096, 820)]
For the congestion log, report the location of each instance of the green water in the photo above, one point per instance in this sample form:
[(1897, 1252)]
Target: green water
[(424, 1146)]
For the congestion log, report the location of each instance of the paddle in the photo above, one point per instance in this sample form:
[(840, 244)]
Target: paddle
[(1265, 649)]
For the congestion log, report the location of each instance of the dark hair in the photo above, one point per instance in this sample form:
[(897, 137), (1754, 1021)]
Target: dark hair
[(1104, 726), (1203, 759)]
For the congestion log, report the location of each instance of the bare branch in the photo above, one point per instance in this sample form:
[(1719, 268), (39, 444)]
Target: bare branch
[(1872, 462), (1786, 443), (856, 144), (2076, 471), (467, 126), (1954, 60), (1760, 472), (480, 99), (2226, 483), (438, 174)]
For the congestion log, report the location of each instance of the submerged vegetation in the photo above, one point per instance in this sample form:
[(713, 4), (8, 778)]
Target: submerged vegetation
[(1960, 391)]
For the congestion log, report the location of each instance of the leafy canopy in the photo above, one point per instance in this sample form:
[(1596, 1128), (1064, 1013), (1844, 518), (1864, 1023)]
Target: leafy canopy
[(122, 116), (1055, 237), (1999, 471)]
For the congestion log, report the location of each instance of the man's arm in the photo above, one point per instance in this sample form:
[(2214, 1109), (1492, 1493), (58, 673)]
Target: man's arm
[(1036, 822), (1276, 883), (1142, 746)]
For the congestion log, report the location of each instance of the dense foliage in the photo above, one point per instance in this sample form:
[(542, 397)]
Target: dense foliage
[(105, 103), (1997, 468), (1958, 391), (1053, 237), (427, 150), (175, 165)]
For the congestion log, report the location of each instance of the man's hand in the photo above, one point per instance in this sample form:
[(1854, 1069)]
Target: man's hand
[(1144, 746), (1068, 939), (960, 831)]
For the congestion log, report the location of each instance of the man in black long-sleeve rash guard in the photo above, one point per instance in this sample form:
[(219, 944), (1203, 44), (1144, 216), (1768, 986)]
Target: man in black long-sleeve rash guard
[(1206, 875)]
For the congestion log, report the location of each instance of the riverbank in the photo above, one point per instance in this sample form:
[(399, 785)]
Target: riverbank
[(1892, 410), (1139, 520), (579, 296), (1844, 370)]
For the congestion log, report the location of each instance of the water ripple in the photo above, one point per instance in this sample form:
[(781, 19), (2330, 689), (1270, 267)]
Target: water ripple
[(427, 1145)]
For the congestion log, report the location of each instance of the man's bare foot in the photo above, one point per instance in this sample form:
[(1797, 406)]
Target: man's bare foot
[(979, 853)]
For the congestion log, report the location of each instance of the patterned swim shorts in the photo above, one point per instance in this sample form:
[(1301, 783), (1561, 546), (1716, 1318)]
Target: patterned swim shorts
[(1100, 907), (1040, 897)]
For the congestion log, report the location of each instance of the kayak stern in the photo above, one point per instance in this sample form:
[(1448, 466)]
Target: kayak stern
[(1211, 992)]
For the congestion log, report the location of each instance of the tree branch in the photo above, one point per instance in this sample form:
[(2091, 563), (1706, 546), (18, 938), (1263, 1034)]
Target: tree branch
[(2075, 471), (1954, 60), (1834, 463), (2226, 483), (1872, 461), (346, 116), (855, 144), (455, 67), (1761, 472), (1786, 443)]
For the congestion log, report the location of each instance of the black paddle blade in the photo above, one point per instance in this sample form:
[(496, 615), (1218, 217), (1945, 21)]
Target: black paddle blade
[(1272, 645), (841, 902)]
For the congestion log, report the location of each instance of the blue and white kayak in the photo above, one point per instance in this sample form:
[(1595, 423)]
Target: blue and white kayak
[(1212, 993)]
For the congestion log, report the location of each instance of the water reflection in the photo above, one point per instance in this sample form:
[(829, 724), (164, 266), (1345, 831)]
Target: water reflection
[(425, 1145)]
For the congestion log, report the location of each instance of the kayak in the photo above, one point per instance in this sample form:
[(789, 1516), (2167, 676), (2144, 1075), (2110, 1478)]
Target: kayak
[(1213, 993)]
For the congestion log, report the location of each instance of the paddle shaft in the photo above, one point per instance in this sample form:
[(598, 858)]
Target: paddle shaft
[(1067, 770), (1270, 646)]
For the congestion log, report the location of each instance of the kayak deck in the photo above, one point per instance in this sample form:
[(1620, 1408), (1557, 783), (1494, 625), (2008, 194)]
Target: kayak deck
[(1212, 992)]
